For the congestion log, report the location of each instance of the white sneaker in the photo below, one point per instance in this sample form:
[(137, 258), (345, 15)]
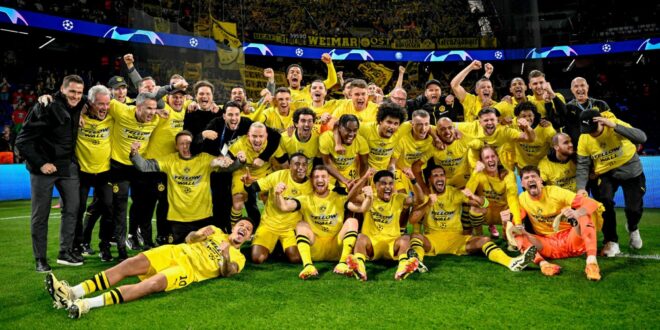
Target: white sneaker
[(611, 249), (520, 262), (635, 240), (78, 308)]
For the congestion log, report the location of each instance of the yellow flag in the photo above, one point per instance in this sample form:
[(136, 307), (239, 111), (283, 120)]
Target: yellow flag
[(377, 73)]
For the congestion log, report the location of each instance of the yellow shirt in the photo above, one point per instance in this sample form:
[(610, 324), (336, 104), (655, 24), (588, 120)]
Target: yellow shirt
[(540, 104), (558, 174), (408, 149), (445, 213), (472, 105), (500, 193), (500, 138), (607, 151), (205, 258), (454, 159), (291, 145), (367, 115), (531, 153), (303, 95), (127, 130), (276, 121), (346, 164), (258, 114), (93, 146), (381, 221), (162, 140), (380, 149), (324, 214), (188, 186), (273, 218), (542, 212), (242, 144)]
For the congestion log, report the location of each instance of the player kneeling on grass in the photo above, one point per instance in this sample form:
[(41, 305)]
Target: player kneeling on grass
[(207, 253), (323, 235), (443, 231), (380, 237), (554, 238)]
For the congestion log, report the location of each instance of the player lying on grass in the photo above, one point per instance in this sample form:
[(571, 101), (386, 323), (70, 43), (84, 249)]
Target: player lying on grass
[(207, 253), (554, 238), (443, 231), (323, 234), (381, 238)]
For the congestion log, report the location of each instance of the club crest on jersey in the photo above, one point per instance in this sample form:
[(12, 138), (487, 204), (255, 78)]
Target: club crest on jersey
[(323, 208), (161, 187), (186, 169)]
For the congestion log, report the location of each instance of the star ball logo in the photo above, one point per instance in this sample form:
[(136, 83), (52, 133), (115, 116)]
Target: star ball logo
[(193, 42), (299, 52), (67, 25)]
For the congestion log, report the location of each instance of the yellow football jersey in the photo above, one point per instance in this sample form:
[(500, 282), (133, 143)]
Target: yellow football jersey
[(408, 149), (380, 149), (242, 144), (531, 153), (455, 160), (127, 130), (346, 164), (365, 116), (445, 214), (291, 145), (273, 218), (276, 121), (542, 211), (324, 214), (162, 141), (607, 151), (205, 258), (188, 186), (472, 105), (93, 146), (558, 174), (500, 193), (303, 95), (381, 221)]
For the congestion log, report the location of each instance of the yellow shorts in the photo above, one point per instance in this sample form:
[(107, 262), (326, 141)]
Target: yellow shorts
[(268, 238), (383, 248), (237, 186), (171, 261), (447, 243), (326, 248)]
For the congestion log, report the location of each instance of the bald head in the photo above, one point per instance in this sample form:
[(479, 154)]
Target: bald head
[(580, 89)]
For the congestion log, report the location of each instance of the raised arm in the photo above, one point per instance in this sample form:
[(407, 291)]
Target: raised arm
[(332, 73), (142, 164), (456, 87)]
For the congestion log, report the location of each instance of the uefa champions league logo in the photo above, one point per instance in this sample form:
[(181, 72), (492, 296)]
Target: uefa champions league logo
[(299, 52), (193, 42), (648, 45), (13, 15), (606, 48), (566, 50), (432, 57), (263, 49), (153, 37), (360, 52), (67, 25)]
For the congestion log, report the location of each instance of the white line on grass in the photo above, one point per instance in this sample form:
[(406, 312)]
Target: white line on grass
[(28, 216), (639, 256)]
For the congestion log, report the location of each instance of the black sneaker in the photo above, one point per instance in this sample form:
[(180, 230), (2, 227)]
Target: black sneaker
[(162, 240), (122, 255), (77, 254), (113, 241), (42, 266), (69, 259), (87, 250), (133, 243), (105, 253)]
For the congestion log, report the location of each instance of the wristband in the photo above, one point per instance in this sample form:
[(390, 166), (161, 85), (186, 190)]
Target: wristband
[(486, 203)]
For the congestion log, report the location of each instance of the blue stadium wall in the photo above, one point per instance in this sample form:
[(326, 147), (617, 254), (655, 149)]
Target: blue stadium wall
[(15, 183)]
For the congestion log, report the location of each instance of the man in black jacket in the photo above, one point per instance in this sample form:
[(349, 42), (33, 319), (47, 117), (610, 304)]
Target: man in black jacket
[(216, 139), (47, 142), (435, 103)]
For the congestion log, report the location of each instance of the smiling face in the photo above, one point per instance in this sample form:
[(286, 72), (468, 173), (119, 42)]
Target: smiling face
[(304, 126), (484, 89), (433, 93), (359, 98), (537, 85), (580, 89), (298, 168), (318, 91), (445, 130), (100, 106), (490, 159), (532, 182), (241, 232), (183, 143), (528, 115), (294, 76), (176, 101), (320, 181), (438, 180), (388, 127), (147, 86), (517, 88), (73, 93), (119, 93), (257, 138), (204, 97), (421, 127), (398, 96), (237, 95), (283, 102), (348, 132), (488, 122), (232, 117), (564, 145), (385, 188)]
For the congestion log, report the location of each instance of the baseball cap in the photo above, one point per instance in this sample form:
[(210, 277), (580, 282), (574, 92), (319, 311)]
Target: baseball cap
[(174, 91), (432, 82), (117, 81), (587, 124)]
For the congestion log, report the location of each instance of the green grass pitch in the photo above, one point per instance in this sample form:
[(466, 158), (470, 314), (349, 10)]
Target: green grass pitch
[(458, 292)]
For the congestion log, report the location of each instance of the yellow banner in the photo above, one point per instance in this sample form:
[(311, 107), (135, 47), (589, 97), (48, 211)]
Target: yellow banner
[(255, 81), (377, 73), (161, 25), (192, 71)]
